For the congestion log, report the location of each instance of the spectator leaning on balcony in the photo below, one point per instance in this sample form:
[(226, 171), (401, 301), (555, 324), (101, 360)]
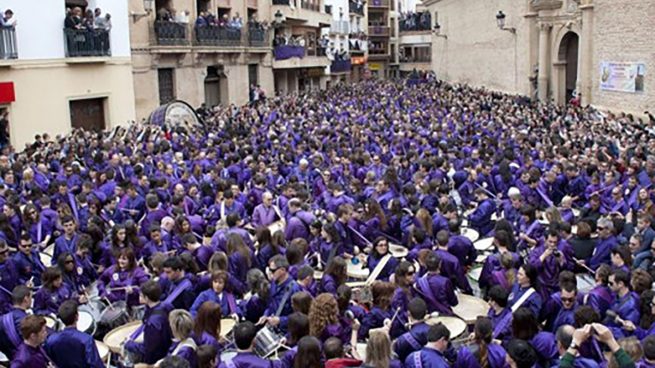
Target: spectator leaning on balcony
[(182, 17), (73, 18), (236, 22), (201, 21), (8, 20), (89, 20)]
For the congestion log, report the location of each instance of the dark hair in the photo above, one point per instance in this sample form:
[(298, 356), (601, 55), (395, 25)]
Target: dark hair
[(621, 276), (151, 290), (67, 312), (174, 361), (524, 324), (297, 326), (417, 308), (206, 355), (521, 353), (174, 263), (49, 276), (432, 262), (308, 354), (603, 273), (438, 331), (499, 295), (244, 335), (483, 335), (649, 347), (564, 335), (585, 315), (19, 294), (301, 301), (337, 268), (531, 273), (333, 348)]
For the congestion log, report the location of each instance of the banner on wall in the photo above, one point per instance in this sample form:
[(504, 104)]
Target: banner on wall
[(622, 76)]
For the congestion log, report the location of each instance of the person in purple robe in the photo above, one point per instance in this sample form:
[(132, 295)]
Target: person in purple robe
[(417, 335), (53, 292), (550, 259), (39, 227), (438, 291), (626, 304), (184, 346), (600, 296), (481, 352), (67, 242), (10, 335), (179, 291), (564, 336), (525, 289), (499, 313), (480, 219), (381, 293), (607, 241), (526, 327), (244, 339), (207, 327), (298, 221), (217, 294), (70, 347), (493, 262), (264, 213), (156, 331), (379, 251), (122, 280), (432, 354), (30, 353), (28, 262), (559, 310), (324, 317), (450, 266)]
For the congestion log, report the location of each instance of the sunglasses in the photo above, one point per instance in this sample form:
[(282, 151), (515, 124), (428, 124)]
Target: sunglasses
[(28, 245), (601, 228), (568, 300), (69, 261), (3, 252)]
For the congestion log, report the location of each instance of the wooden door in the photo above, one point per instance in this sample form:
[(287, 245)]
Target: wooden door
[(88, 114)]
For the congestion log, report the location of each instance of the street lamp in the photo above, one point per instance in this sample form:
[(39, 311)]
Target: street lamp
[(279, 19), (437, 30), (148, 6), (500, 20)]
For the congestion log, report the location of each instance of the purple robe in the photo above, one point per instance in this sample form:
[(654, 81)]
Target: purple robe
[(466, 357)]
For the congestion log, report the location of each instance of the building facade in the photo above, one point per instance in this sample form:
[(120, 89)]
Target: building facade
[(53, 79), (415, 39), (204, 51), (549, 49)]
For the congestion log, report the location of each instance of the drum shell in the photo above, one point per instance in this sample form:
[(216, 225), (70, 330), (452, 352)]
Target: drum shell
[(266, 341)]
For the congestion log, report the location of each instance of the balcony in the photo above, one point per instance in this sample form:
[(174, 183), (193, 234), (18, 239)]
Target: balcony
[(8, 48), (171, 33), (340, 27), (85, 43), (290, 56), (378, 4), (379, 52), (216, 36), (258, 38), (307, 12), (340, 66), (378, 31), (356, 8), (416, 22)]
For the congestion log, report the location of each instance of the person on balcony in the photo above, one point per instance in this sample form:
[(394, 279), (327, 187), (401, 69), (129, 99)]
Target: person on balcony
[(73, 18), (8, 20)]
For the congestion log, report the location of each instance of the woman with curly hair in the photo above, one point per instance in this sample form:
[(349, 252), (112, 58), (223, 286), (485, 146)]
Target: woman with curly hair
[(324, 317)]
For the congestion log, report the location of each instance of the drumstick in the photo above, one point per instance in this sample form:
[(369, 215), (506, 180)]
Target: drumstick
[(590, 270)]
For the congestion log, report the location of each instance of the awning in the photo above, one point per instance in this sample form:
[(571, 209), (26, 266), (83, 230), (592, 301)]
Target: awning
[(7, 94)]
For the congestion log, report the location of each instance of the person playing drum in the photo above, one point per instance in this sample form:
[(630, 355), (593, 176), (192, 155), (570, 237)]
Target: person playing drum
[(217, 294), (121, 281), (53, 293), (10, 322), (244, 338)]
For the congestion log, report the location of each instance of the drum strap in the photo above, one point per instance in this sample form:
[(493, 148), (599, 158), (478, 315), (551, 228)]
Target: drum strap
[(285, 297), (522, 299), (378, 269), (411, 340), (10, 327), (188, 343), (231, 302), (417, 360), (185, 284), (426, 291)]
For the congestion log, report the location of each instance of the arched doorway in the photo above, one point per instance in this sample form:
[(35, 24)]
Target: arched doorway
[(568, 59)]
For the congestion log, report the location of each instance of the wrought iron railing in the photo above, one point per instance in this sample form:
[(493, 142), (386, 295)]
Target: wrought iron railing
[(84, 42), (217, 36), (8, 47), (171, 33)]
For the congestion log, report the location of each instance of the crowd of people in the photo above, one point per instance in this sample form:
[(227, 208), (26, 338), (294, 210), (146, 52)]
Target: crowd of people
[(190, 225), (415, 21), (90, 20)]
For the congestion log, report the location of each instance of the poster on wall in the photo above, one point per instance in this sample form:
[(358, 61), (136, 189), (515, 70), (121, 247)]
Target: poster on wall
[(622, 76)]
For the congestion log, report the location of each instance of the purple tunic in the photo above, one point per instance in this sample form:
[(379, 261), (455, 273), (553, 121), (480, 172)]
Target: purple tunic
[(466, 356), (29, 357)]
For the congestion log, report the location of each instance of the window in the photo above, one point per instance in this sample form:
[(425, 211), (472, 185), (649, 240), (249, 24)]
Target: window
[(166, 85), (252, 74)]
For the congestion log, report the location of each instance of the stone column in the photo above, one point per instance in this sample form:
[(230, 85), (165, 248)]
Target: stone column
[(586, 71), (544, 57)]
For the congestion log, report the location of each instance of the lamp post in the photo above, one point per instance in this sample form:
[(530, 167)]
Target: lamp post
[(279, 19), (437, 30), (500, 20)]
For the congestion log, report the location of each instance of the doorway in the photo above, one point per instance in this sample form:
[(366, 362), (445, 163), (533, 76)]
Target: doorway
[(88, 114), (568, 56)]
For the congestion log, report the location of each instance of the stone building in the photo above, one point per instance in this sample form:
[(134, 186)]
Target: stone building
[(550, 49)]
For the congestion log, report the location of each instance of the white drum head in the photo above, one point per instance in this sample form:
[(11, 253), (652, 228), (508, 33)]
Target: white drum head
[(484, 244), (398, 251), (455, 325), (84, 321), (470, 307), (356, 271), (473, 235), (585, 282), (103, 350), (475, 273)]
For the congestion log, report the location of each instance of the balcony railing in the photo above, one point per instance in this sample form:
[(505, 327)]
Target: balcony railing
[(83, 42), (217, 36), (285, 52), (171, 33), (340, 66), (356, 7), (416, 59), (415, 22), (378, 31), (258, 38), (340, 27), (8, 49), (378, 4)]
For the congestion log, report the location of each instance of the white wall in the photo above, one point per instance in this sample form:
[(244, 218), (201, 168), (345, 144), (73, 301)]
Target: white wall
[(40, 35)]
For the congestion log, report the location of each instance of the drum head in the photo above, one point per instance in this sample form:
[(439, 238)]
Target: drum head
[(318, 275), (117, 336), (85, 321), (481, 258), (473, 235), (470, 307), (356, 271), (475, 273), (276, 226), (398, 251), (46, 259), (227, 324), (455, 325), (103, 350), (484, 244), (585, 282), (361, 350), (50, 322)]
